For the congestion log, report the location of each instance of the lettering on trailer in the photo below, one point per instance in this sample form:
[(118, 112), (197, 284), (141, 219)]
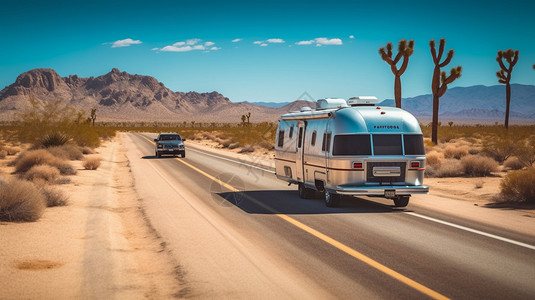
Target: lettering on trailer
[(385, 127)]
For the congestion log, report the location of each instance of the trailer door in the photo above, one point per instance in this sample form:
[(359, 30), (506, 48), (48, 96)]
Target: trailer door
[(301, 128)]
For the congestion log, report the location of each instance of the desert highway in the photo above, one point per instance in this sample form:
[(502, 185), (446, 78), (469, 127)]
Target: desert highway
[(235, 231)]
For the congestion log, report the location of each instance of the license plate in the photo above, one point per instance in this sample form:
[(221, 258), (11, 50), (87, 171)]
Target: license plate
[(390, 193)]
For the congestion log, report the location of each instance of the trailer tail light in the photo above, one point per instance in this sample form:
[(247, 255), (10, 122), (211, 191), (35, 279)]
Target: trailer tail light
[(357, 165), (415, 164)]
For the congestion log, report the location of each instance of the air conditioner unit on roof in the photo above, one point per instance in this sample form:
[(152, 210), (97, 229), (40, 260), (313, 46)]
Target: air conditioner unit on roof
[(362, 100)]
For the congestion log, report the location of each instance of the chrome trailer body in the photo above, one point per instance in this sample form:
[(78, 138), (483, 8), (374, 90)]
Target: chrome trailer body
[(351, 150)]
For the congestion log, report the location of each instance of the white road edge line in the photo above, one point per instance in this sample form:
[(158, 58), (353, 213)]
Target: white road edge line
[(231, 160), (473, 231)]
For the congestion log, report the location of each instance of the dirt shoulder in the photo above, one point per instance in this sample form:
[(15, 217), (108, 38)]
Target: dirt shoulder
[(98, 246)]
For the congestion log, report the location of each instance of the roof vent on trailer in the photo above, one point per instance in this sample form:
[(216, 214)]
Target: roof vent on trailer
[(363, 101), (330, 103), (305, 109)]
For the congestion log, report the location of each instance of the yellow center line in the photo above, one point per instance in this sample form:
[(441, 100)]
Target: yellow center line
[(346, 249)]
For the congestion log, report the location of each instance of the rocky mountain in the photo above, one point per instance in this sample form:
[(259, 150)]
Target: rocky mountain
[(475, 103), (122, 96)]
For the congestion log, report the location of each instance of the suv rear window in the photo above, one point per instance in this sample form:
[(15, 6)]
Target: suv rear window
[(169, 137), (387, 144), (352, 144)]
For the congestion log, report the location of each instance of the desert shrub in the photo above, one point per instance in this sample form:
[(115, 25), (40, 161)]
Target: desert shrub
[(226, 143), (65, 168), (513, 163), (525, 152), (63, 180), (53, 139), (500, 147), (479, 184), (478, 166), (431, 171), (12, 150), (450, 168), (434, 158), (34, 157), (517, 186), (455, 151), (41, 172), (3, 154), (20, 201), (247, 149), (87, 150), (67, 151), (91, 162), (54, 197), (234, 145)]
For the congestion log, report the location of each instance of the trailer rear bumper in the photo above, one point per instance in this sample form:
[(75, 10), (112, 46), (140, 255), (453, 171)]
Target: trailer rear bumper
[(383, 190)]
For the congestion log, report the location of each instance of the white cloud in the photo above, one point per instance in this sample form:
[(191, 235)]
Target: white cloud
[(321, 41), (189, 45), (236, 40), (193, 41), (275, 41), (125, 43), (351, 36), (268, 41)]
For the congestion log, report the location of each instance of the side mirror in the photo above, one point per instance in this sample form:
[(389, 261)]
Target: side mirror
[(183, 140), (155, 140)]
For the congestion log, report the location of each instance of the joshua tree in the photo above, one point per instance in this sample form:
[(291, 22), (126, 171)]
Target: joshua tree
[(248, 115), (404, 51), (440, 82), (504, 76), (93, 115)]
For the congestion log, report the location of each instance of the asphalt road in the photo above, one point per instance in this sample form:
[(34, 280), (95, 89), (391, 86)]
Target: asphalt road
[(236, 231)]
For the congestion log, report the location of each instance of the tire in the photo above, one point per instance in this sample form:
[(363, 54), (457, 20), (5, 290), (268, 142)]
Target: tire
[(331, 200), (183, 154), (401, 201), (158, 155), (304, 192)]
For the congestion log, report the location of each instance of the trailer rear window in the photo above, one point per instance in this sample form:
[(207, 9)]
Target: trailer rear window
[(352, 144), (414, 144), (387, 144)]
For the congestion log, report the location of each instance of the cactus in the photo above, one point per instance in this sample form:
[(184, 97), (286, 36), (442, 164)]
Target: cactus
[(440, 81), (404, 51), (504, 76)]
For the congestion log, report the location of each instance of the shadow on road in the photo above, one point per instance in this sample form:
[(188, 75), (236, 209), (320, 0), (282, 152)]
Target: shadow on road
[(288, 202), (161, 157)]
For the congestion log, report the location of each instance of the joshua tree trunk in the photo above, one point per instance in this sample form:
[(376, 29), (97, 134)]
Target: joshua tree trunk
[(397, 91), (434, 129), (507, 103)]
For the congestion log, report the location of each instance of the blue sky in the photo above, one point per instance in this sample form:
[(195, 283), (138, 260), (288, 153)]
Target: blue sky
[(265, 50)]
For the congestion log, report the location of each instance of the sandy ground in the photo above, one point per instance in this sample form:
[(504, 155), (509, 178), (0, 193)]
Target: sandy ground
[(99, 246)]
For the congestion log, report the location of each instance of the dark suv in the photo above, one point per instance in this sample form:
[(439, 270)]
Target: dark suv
[(169, 143)]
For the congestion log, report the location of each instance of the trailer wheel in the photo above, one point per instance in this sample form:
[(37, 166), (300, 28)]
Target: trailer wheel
[(304, 192), (331, 200), (401, 201)]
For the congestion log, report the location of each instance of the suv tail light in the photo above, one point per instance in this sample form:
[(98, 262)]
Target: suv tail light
[(357, 165), (415, 164)]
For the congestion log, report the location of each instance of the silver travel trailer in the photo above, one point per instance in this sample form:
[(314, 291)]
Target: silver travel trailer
[(351, 148)]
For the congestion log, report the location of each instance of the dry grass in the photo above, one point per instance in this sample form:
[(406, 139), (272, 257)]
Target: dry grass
[(31, 158), (478, 166), (91, 162), (67, 152), (54, 197), (42, 173), (3, 154), (434, 158), (456, 151), (513, 163), (517, 186), (479, 184), (20, 201), (65, 168), (450, 168)]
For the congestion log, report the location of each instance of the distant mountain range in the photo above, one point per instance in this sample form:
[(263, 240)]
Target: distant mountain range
[(122, 96), (475, 103)]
